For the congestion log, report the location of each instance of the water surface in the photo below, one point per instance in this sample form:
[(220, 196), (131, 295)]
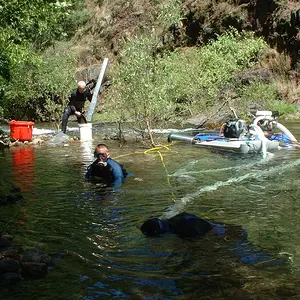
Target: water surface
[(105, 254)]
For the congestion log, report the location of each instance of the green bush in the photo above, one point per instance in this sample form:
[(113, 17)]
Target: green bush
[(40, 22), (38, 82), (206, 70), (283, 108), (149, 89), (29, 79)]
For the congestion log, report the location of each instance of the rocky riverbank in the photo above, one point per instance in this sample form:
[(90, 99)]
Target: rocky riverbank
[(6, 141)]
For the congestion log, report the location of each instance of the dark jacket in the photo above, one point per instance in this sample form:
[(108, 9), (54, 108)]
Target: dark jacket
[(189, 225), (110, 173), (77, 100)]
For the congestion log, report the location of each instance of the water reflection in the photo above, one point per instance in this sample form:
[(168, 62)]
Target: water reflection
[(86, 149), (23, 167), (107, 257)]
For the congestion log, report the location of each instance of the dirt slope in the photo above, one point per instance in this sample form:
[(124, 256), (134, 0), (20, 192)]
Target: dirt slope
[(114, 22)]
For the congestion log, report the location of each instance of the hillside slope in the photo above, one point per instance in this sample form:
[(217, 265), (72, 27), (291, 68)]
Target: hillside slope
[(114, 22)]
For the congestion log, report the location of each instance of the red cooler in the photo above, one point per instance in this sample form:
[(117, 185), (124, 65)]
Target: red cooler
[(21, 130)]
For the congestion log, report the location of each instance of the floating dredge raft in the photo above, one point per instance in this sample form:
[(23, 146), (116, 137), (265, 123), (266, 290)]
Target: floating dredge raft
[(264, 134)]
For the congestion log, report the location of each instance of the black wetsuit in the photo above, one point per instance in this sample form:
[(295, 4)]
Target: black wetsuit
[(110, 173), (76, 103), (78, 99), (187, 225)]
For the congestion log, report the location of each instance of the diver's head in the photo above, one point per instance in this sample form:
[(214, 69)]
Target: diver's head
[(101, 153), (153, 227)]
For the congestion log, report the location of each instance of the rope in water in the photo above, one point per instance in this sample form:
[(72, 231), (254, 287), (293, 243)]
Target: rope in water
[(158, 151)]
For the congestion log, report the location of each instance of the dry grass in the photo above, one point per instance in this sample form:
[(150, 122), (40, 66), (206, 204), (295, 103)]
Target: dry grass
[(110, 25), (286, 7), (286, 79), (202, 5), (224, 8), (289, 89), (277, 62)]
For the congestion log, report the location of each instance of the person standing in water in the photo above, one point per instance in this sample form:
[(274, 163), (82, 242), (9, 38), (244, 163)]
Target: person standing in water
[(76, 103)]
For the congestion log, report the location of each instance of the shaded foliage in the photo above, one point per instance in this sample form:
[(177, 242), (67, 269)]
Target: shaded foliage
[(39, 22), (4, 67), (43, 86), (27, 28)]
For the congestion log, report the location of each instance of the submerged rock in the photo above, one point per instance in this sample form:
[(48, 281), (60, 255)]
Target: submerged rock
[(3, 145), (59, 139), (4, 242), (9, 278), (34, 270), (18, 264), (13, 196), (9, 265)]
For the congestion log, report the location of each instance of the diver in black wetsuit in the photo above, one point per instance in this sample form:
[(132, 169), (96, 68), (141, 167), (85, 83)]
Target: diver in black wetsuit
[(183, 225), (186, 225), (105, 170)]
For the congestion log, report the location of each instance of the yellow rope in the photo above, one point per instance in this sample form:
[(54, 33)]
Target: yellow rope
[(158, 148), (166, 171), (128, 154), (146, 151), (157, 151)]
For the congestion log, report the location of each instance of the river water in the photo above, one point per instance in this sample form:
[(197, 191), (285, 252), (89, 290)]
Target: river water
[(104, 253)]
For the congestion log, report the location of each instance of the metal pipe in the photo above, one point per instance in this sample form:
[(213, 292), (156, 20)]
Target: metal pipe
[(180, 137)]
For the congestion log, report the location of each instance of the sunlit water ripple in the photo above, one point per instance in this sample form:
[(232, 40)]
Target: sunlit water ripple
[(105, 256)]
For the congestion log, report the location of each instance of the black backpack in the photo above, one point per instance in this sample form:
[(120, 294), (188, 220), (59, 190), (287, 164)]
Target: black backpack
[(234, 128)]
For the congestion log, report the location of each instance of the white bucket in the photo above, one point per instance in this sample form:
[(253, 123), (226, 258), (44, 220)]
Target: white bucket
[(85, 131)]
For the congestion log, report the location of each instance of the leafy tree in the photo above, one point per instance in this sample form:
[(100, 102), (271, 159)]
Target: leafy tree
[(27, 28), (39, 82), (39, 22), (150, 89)]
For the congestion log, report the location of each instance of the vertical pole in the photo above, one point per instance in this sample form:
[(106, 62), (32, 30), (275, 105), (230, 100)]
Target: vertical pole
[(96, 91)]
